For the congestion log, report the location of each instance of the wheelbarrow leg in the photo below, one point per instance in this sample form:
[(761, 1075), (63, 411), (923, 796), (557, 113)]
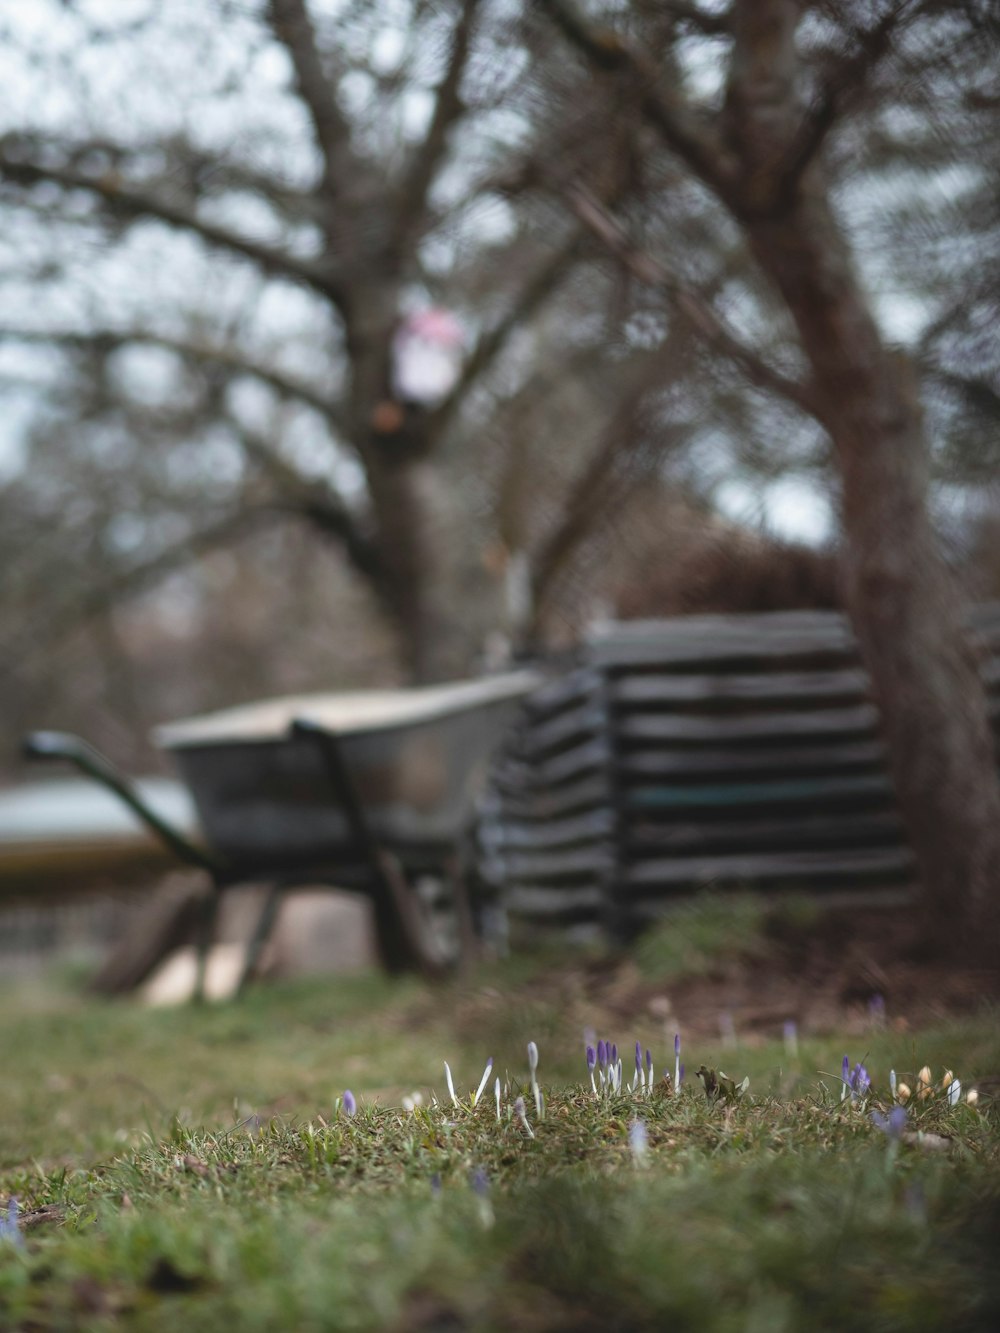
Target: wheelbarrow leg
[(468, 940), (403, 938), (261, 934), (208, 918)]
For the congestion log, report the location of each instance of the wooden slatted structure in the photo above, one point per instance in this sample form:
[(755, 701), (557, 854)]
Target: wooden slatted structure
[(704, 750)]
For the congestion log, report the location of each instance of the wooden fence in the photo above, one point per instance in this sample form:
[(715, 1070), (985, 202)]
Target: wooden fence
[(704, 750)]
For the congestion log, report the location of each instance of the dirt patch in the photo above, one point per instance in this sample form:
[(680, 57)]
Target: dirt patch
[(842, 971)]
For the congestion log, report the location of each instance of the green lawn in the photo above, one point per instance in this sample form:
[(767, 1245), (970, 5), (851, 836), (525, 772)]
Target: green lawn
[(194, 1169)]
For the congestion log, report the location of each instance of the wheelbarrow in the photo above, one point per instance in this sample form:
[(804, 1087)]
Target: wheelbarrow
[(363, 790)]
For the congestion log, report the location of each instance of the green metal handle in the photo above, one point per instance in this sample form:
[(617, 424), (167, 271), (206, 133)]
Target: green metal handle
[(61, 745)]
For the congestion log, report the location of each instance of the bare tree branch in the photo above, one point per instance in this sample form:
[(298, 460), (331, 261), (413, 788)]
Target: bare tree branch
[(535, 292), (842, 84), (228, 358), (695, 142), (320, 505), (690, 303), (448, 107), (292, 26), (711, 25), (591, 494), (39, 636), (134, 203)]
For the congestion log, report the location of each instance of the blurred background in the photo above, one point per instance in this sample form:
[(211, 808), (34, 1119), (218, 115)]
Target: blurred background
[(312, 377)]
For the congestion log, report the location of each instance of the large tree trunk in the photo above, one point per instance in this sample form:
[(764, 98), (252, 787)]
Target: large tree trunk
[(409, 545), (903, 601), (401, 486)]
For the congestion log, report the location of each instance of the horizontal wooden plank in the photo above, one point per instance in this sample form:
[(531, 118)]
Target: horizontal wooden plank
[(588, 863), (518, 835), (566, 690), (834, 687), (575, 724), (720, 639), (768, 763), (851, 828), (567, 766), (756, 793), (641, 727), (589, 793), (743, 868), (761, 636), (534, 900)]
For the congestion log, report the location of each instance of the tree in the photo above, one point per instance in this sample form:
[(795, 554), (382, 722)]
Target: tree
[(348, 222), (791, 74)]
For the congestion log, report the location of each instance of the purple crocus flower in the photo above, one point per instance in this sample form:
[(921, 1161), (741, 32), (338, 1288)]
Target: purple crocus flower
[(591, 1059), (10, 1229), (638, 1057), (860, 1082), (602, 1054), (677, 1044), (892, 1124), (350, 1105), (614, 1053), (649, 1063)]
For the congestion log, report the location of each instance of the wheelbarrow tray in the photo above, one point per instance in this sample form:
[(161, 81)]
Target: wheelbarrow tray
[(417, 757)]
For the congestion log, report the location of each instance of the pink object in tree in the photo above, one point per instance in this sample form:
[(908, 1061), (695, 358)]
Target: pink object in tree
[(427, 354)]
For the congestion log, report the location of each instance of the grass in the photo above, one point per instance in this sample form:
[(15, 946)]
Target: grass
[(195, 1169)]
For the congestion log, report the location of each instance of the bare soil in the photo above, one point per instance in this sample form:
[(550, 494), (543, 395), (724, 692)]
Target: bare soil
[(835, 976), (840, 973)]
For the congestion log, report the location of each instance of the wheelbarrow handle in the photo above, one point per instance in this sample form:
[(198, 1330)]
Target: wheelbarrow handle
[(62, 745)]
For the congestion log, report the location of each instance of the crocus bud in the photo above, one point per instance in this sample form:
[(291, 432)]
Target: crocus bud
[(903, 1092), (924, 1081), (591, 1058), (532, 1056), (972, 1097), (350, 1105)]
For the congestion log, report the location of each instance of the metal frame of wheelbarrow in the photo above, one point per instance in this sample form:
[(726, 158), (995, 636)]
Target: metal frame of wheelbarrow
[(399, 925)]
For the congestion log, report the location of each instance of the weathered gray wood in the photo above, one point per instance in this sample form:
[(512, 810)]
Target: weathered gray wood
[(840, 864), (635, 725), (535, 901), (589, 794), (724, 638), (564, 691), (584, 863), (745, 750), (770, 764), (554, 833), (573, 725), (791, 790), (568, 766), (847, 829), (849, 685)]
